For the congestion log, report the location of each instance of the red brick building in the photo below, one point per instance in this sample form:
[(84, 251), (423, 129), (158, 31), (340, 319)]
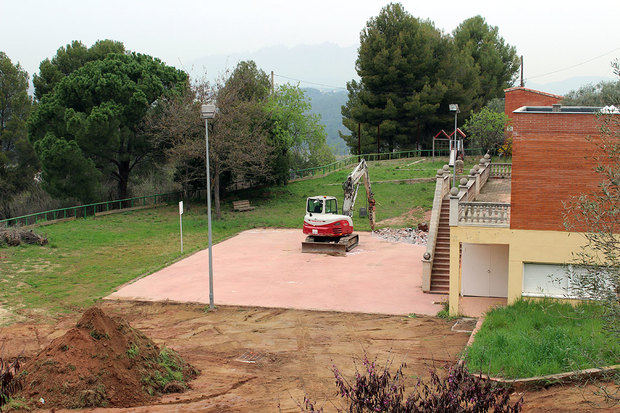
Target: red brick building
[(516, 97), (552, 157)]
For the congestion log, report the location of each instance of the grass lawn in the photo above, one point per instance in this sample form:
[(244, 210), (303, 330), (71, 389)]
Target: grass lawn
[(87, 258), (532, 338)]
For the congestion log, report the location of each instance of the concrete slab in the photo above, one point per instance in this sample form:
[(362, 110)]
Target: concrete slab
[(478, 306), (265, 268)]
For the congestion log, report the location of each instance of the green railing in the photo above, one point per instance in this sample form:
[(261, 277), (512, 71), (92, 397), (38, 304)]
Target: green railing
[(351, 159), (83, 211)]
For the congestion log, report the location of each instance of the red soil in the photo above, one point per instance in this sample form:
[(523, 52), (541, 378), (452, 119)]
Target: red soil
[(101, 362)]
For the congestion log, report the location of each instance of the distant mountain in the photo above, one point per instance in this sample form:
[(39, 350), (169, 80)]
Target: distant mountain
[(327, 104), (328, 64), (564, 86)]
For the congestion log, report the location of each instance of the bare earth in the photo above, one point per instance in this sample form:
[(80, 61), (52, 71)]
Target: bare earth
[(293, 351)]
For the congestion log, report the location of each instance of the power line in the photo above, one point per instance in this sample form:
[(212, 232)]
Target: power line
[(575, 65)]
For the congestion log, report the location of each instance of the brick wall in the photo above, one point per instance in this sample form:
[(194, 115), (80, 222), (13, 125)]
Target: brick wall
[(551, 162), (520, 96)]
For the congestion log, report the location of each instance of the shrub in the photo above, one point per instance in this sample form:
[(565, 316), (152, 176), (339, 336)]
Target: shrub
[(378, 390)]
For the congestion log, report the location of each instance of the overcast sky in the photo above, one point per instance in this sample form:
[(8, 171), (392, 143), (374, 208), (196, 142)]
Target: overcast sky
[(551, 34)]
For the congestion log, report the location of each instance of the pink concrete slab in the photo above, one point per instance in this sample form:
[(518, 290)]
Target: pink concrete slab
[(265, 268)]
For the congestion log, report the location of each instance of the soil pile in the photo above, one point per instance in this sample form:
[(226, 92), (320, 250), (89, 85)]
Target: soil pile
[(102, 362)]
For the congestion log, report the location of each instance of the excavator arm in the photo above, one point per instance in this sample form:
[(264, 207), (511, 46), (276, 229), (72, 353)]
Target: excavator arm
[(351, 186)]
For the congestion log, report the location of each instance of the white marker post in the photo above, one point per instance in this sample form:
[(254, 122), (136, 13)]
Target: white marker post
[(181, 223)]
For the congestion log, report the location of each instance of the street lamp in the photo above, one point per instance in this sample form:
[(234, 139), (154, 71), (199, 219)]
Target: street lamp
[(454, 107), (208, 112)]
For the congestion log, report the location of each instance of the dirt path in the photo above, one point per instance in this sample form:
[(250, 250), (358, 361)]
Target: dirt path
[(260, 359)]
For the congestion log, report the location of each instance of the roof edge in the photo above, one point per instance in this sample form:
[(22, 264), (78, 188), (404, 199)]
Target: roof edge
[(510, 89)]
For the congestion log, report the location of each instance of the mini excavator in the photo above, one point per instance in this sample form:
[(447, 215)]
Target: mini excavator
[(329, 232)]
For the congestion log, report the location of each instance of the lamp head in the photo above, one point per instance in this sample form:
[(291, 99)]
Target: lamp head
[(454, 107), (208, 111)]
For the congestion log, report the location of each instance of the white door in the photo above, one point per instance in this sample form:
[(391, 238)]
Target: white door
[(484, 270)]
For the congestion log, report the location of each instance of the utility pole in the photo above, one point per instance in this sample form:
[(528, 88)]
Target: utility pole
[(359, 142), (522, 84), (378, 137), (272, 83)]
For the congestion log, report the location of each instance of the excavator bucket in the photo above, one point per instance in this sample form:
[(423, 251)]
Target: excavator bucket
[(330, 246)]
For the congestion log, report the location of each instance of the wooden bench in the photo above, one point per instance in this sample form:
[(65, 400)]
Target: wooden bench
[(243, 205)]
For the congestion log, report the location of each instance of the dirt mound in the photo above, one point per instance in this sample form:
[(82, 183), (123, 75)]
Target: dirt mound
[(102, 362)]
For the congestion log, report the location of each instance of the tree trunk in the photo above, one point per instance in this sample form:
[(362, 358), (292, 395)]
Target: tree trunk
[(216, 191), (123, 179)]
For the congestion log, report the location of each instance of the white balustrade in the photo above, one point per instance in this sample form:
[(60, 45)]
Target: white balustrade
[(493, 214), (501, 170)]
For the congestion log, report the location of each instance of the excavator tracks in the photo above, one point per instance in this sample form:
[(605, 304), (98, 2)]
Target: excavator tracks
[(337, 246)]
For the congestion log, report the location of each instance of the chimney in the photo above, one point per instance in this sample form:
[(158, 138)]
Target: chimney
[(556, 107)]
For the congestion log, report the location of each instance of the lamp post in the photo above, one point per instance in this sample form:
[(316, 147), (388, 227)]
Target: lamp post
[(454, 107), (208, 112)]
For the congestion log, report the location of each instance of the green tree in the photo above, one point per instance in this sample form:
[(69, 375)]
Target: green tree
[(249, 82), (65, 169), (101, 107), (297, 136), (410, 72), (68, 59), (486, 129), (17, 160), (496, 61), (601, 94)]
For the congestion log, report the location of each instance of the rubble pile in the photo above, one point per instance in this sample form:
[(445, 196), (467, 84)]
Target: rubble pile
[(405, 235)]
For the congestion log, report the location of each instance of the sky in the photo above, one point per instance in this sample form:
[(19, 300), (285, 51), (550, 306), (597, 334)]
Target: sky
[(551, 35)]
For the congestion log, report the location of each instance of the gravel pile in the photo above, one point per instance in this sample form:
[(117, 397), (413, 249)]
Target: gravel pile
[(406, 235)]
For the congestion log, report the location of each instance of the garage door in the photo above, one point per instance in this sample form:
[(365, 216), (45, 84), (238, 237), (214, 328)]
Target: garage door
[(484, 270)]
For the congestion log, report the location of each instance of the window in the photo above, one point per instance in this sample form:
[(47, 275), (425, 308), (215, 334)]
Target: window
[(315, 206), (331, 206), (545, 280)]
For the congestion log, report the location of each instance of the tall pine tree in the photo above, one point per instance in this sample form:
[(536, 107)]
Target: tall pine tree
[(409, 73)]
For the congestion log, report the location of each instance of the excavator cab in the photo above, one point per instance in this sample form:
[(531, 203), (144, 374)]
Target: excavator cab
[(322, 205)]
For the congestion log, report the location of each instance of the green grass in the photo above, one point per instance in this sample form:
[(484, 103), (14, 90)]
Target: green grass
[(533, 338), (87, 259)]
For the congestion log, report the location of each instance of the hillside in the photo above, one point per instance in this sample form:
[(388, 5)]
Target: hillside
[(328, 104)]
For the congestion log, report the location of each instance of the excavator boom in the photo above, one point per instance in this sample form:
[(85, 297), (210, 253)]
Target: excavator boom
[(351, 186)]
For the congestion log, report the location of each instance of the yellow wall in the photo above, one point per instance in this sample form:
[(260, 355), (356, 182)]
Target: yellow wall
[(549, 247)]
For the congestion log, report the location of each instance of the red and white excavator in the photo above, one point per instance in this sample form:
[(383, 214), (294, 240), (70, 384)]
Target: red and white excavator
[(328, 231)]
